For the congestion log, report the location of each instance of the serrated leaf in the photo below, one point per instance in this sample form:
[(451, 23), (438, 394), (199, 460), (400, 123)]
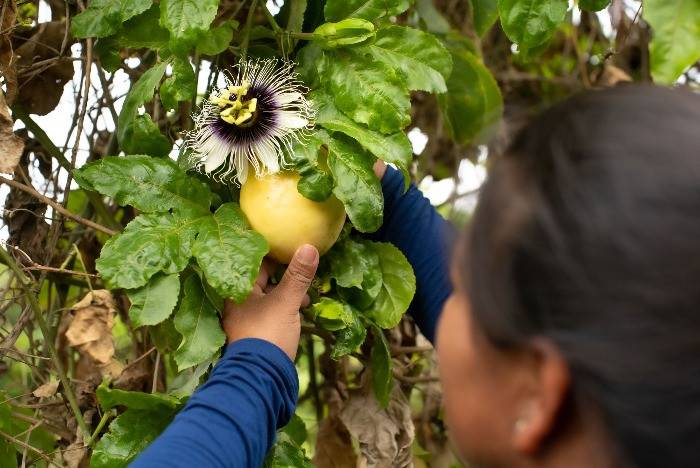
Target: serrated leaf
[(154, 302), (286, 454), (331, 314), (484, 15), (380, 366), (356, 185), (104, 17), (164, 336), (676, 37), (355, 267), (144, 137), (141, 93), (143, 31), (593, 5), (149, 244), (472, 106), (187, 381), (315, 182), (180, 86), (197, 321), (398, 286), (422, 58), (146, 183), (216, 40), (367, 90), (229, 252), (129, 434), (186, 19), (111, 397), (531, 23), (336, 10), (395, 148), (348, 339)]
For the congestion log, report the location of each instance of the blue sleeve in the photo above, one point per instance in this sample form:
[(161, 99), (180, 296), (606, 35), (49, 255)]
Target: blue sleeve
[(232, 419), (413, 225)]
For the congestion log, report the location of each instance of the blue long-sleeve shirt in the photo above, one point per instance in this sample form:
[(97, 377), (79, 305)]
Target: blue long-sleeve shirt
[(231, 420)]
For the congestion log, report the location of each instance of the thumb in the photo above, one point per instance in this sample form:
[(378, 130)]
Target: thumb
[(296, 280)]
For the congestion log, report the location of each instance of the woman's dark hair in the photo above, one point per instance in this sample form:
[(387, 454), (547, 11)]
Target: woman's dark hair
[(587, 233)]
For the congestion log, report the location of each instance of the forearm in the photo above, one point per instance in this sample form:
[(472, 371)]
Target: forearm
[(413, 225), (232, 419)]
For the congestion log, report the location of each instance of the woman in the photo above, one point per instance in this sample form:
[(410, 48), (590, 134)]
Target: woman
[(572, 337)]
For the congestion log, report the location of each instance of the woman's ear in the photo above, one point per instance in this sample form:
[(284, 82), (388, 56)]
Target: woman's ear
[(549, 386)]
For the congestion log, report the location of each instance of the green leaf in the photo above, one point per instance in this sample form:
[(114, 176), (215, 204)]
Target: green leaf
[(331, 314), (111, 397), (143, 31), (181, 86), (187, 381), (593, 5), (154, 302), (398, 286), (286, 454), (395, 148), (164, 336), (296, 429), (356, 185), (336, 10), (349, 338), (8, 455), (229, 252), (198, 322), (367, 90), (472, 106), (104, 17), (151, 243), (141, 93), (146, 183), (531, 23), (484, 15), (434, 21), (186, 19), (216, 40), (355, 267), (145, 137), (350, 31), (129, 434), (380, 366), (315, 183), (422, 58), (676, 37)]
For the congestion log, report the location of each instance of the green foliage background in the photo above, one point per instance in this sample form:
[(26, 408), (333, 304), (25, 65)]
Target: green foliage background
[(178, 243)]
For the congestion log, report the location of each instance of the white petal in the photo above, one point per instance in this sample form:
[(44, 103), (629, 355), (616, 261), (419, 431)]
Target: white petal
[(267, 156), (286, 98), (214, 160), (288, 119)]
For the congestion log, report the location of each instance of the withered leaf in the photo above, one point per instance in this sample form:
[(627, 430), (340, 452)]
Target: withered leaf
[(91, 328), (385, 435), (333, 443), (11, 146), (42, 74), (46, 390)]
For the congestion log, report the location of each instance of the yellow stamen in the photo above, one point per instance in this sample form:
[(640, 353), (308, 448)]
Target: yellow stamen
[(236, 111)]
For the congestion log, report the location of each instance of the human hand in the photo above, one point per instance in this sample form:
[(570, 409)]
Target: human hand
[(271, 313), (379, 168)]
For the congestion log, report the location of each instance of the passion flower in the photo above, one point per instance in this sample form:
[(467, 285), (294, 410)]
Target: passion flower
[(250, 120)]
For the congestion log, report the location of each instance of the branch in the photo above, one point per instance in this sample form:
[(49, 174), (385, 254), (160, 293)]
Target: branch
[(43, 138), (57, 206), (24, 445), (48, 339), (246, 33)]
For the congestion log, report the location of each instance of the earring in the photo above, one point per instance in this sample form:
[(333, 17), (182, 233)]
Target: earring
[(520, 424)]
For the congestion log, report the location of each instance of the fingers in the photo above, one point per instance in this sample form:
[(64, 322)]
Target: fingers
[(379, 168), (267, 268), (297, 279)]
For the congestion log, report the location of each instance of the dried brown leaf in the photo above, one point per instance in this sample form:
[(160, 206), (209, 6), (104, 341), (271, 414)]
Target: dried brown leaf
[(333, 443), (91, 328), (46, 390), (75, 453), (385, 435), (8, 15), (11, 146), (42, 72)]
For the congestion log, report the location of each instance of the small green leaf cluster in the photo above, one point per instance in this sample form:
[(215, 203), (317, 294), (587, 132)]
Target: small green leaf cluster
[(176, 255)]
